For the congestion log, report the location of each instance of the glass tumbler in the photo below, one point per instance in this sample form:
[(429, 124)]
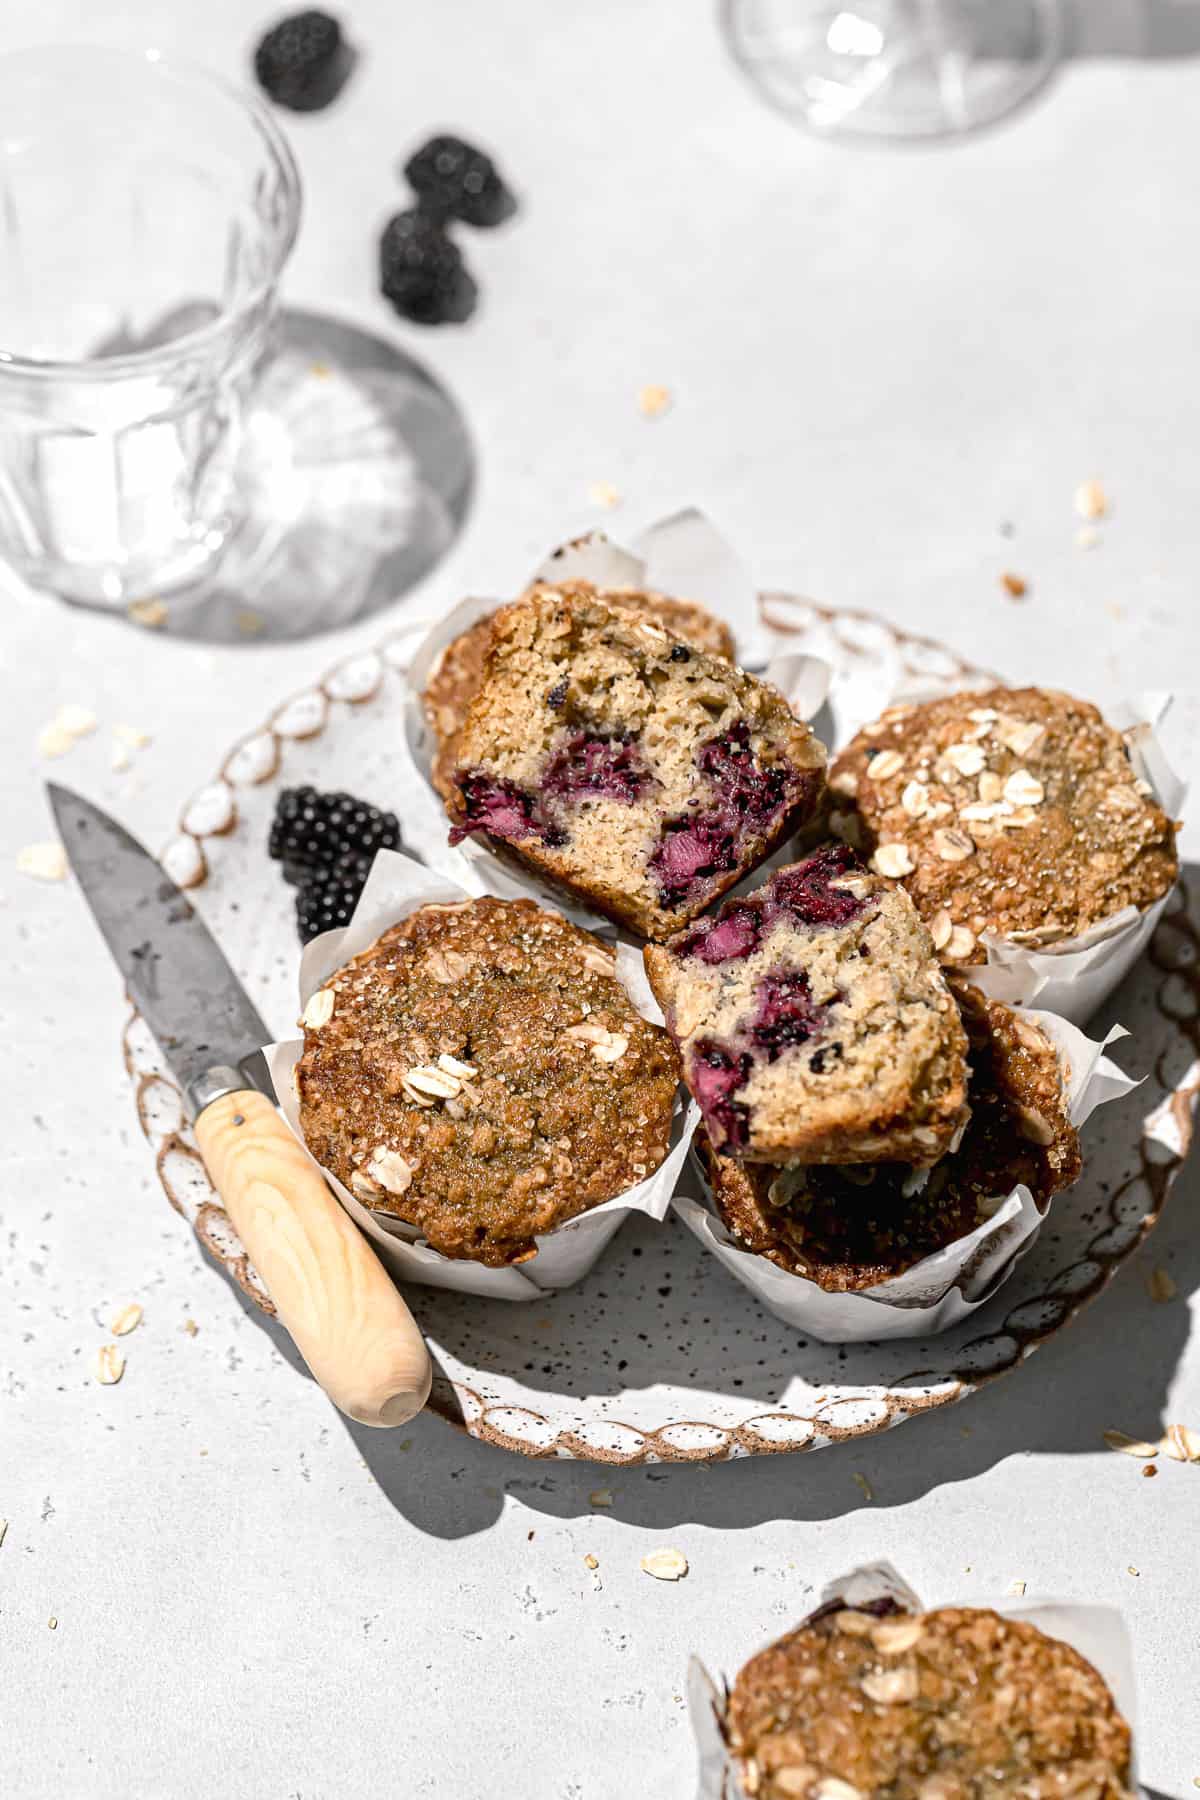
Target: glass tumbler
[(146, 211)]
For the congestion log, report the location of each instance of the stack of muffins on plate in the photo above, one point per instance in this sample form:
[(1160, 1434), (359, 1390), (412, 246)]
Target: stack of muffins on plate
[(483, 1077)]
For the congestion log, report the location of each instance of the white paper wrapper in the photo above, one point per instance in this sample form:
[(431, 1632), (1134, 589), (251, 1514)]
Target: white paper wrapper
[(1098, 1633), (683, 556), (943, 1288), (397, 886), (1073, 977)]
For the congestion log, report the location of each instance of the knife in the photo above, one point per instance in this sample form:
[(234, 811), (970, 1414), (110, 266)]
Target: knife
[(328, 1286)]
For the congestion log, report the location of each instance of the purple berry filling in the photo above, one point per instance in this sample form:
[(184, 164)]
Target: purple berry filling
[(732, 936), (786, 1014), (716, 1075), (502, 809), (587, 767), (689, 849), (806, 894), (732, 766)]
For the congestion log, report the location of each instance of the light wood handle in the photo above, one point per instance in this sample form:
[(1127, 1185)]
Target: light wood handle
[(329, 1287)]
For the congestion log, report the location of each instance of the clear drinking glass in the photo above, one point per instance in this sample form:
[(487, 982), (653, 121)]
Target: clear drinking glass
[(146, 212), (895, 68)]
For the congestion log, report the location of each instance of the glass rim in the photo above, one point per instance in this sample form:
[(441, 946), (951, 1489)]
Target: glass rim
[(195, 74)]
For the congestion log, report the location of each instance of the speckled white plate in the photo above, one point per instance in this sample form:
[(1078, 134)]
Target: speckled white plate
[(658, 1355)]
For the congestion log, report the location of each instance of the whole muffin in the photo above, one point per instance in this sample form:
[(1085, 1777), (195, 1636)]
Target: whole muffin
[(956, 1704), (481, 1073), (458, 673), (851, 1228), (814, 1022), (1014, 811), (642, 775)]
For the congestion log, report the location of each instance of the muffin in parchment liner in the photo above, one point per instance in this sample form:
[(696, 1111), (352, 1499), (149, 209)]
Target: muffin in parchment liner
[(946, 1285), (396, 889), (681, 559), (1075, 1675), (1035, 813)]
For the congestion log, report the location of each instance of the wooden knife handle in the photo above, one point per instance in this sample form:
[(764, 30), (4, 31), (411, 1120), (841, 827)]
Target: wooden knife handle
[(330, 1289)]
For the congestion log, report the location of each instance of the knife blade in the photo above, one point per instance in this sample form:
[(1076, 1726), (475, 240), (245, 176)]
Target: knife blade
[(329, 1288), (177, 974)]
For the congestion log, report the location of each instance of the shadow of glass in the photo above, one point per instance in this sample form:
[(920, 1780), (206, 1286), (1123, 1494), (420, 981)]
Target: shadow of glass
[(1150, 29)]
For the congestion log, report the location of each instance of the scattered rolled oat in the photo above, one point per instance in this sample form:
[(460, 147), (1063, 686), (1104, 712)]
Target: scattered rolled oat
[(131, 737), (69, 724), (603, 493), (1132, 1571), (52, 1623), (1119, 1440), (150, 613), (653, 401), (1091, 502), (191, 1327), (1014, 585), (45, 862), (126, 1320), (1016, 1588), (1181, 1443), (1160, 1286), (665, 1565), (590, 1561), (600, 1497), (110, 1365)]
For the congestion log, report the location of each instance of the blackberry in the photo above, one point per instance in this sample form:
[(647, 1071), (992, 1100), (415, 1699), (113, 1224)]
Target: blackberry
[(453, 180), (312, 831), (303, 61), (329, 896), (422, 272)]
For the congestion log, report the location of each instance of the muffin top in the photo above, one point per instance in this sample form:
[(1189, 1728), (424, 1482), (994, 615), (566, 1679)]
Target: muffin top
[(458, 672), (850, 1228), (957, 1704), (1015, 811), (481, 1073)]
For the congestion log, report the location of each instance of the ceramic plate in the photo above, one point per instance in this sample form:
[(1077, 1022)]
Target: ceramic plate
[(658, 1355)]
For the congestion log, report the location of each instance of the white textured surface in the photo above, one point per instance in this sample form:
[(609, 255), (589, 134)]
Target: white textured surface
[(877, 356)]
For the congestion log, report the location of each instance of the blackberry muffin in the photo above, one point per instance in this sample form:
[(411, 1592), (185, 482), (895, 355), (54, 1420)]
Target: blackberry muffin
[(481, 1073), (642, 775), (458, 673), (851, 1228), (1014, 811), (956, 1704), (814, 1022)]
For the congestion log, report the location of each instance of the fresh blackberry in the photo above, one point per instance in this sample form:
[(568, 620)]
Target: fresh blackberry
[(312, 831), (453, 180), (303, 61), (329, 896), (422, 272)]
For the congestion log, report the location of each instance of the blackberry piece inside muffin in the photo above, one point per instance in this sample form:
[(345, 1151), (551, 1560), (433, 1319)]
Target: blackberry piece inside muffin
[(850, 1228), (644, 782), (814, 1023), (458, 673)]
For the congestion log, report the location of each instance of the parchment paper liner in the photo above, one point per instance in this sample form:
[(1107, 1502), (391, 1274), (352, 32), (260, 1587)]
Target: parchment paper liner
[(684, 556), (396, 887), (1098, 1633), (1075, 976), (942, 1288)]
